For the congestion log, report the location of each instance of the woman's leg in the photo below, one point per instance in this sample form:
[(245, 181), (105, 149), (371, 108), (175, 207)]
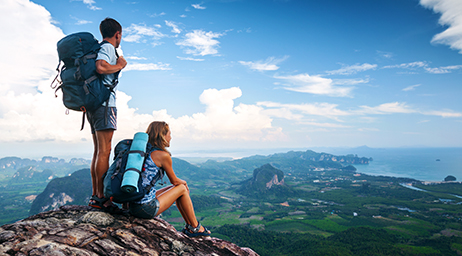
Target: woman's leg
[(180, 195), (178, 205)]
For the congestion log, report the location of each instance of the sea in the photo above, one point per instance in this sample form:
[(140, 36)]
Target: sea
[(424, 164)]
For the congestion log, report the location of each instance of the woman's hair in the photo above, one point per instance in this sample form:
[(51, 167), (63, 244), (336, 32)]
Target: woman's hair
[(157, 131)]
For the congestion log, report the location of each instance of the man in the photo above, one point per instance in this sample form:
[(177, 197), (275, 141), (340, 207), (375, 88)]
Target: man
[(103, 121)]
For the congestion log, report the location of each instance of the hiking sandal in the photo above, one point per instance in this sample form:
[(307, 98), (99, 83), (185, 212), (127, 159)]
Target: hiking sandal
[(97, 202), (194, 232)]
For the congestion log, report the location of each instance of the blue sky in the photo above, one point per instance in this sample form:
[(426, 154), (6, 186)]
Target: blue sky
[(231, 75)]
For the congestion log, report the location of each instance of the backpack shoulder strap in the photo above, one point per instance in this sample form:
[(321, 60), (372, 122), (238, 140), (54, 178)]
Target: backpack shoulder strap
[(116, 74)]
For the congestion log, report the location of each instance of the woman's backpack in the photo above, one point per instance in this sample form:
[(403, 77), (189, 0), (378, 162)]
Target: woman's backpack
[(82, 87), (115, 186)]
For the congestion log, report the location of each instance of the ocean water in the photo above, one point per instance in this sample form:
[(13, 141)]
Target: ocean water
[(425, 164)]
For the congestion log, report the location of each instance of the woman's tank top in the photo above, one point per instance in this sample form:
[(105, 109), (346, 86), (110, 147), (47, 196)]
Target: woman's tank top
[(150, 176)]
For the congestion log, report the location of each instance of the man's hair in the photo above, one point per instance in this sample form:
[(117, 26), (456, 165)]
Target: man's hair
[(109, 27)]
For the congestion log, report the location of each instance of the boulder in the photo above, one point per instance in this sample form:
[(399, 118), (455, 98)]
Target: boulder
[(82, 230)]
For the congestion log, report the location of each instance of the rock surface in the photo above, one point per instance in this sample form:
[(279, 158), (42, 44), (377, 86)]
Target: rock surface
[(82, 230)]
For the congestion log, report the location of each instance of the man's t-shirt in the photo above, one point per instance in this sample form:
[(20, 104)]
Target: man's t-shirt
[(108, 53)]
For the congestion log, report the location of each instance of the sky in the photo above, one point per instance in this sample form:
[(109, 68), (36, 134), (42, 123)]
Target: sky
[(232, 76)]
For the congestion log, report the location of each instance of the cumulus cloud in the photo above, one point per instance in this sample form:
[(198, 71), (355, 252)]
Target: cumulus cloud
[(269, 64), (200, 42), (33, 30), (221, 120), (451, 16), (141, 33), (349, 70), (31, 112), (315, 85)]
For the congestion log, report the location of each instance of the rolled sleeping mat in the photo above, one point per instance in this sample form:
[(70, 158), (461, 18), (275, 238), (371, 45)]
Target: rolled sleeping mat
[(134, 163)]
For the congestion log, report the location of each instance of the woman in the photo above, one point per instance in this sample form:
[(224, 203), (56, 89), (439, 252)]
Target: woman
[(157, 201)]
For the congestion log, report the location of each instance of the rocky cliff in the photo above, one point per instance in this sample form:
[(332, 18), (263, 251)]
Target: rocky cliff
[(82, 230)]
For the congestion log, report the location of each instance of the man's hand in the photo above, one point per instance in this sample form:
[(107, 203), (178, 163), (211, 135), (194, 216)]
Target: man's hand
[(121, 62)]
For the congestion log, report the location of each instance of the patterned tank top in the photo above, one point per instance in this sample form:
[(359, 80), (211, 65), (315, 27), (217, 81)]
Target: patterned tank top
[(150, 176)]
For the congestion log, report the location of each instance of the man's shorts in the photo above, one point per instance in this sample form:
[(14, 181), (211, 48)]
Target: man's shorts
[(97, 119)]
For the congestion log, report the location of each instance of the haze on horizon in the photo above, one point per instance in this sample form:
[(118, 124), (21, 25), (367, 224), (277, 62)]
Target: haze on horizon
[(233, 75)]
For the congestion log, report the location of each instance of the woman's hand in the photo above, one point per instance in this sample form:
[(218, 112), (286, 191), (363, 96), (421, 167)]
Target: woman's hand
[(179, 182)]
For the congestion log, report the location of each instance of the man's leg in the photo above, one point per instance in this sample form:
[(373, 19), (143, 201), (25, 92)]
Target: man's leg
[(93, 165), (103, 139)]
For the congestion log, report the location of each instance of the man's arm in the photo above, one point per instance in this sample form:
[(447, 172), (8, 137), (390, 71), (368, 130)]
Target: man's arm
[(104, 68)]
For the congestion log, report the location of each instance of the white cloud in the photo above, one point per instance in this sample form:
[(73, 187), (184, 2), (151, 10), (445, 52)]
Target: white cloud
[(174, 27), (443, 70), (411, 88), (326, 125), (386, 55), (90, 5), (140, 33), (146, 66), (447, 113), (198, 6), (403, 108), (157, 15), (189, 58), (81, 22), (135, 58), (349, 70), (425, 66), (315, 85), (32, 113), (412, 65), (388, 108), (202, 43), (350, 81), (31, 37), (269, 64), (221, 120), (451, 16), (298, 111)]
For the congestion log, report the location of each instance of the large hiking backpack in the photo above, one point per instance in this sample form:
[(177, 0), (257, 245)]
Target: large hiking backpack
[(128, 161), (82, 87)]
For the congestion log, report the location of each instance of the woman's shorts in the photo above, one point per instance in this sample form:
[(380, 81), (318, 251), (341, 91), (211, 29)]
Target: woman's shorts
[(145, 211), (97, 119)]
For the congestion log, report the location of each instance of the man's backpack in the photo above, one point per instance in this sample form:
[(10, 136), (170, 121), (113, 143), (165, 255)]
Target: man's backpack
[(115, 179), (82, 87)]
